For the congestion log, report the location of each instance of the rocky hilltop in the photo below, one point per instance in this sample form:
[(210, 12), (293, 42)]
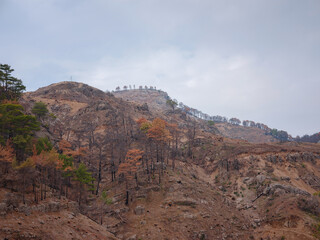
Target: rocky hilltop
[(193, 183), (156, 101)]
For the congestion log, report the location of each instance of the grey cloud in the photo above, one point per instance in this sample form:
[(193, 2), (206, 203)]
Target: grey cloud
[(256, 60)]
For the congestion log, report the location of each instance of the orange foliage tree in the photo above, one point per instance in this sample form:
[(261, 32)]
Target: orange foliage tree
[(47, 162), (158, 133), (129, 168), (66, 149), (7, 156)]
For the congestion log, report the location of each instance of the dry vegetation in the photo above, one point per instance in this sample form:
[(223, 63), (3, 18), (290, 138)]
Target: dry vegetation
[(160, 174)]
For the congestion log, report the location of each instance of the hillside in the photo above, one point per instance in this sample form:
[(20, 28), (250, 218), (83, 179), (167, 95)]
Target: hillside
[(31, 221), (156, 101), (190, 184), (251, 134)]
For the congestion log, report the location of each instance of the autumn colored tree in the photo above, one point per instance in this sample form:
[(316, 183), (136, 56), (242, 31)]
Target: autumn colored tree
[(47, 162), (7, 156), (26, 171), (144, 124), (160, 135), (158, 130), (129, 168), (65, 147)]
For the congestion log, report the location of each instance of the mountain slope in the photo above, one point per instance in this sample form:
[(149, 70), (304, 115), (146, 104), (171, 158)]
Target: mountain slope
[(156, 100), (224, 189)]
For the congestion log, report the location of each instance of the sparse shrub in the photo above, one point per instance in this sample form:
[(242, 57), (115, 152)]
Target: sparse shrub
[(52, 116), (316, 230), (211, 123), (216, 179)]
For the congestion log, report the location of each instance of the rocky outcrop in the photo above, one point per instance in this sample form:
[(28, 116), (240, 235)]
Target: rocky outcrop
[(304, 156), (286, 188)]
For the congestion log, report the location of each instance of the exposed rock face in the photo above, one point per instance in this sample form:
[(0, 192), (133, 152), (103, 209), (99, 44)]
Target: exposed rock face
[(288, 189)]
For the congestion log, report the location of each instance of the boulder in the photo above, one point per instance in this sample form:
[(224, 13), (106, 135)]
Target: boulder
[(260, 178), (285, 178), (139, 210)]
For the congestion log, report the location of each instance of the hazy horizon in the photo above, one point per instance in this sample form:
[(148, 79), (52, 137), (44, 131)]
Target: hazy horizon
[(254, 60)]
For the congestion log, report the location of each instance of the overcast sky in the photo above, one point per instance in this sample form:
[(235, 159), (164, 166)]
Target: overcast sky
[(255, 60)]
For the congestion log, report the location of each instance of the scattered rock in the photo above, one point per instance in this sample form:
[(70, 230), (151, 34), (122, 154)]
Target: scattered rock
[(132, 237), (285, 178), (260, 178), (246, 179), (139, 210)]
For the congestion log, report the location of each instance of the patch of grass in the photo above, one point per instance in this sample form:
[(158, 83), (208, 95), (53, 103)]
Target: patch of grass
[(316, 194)]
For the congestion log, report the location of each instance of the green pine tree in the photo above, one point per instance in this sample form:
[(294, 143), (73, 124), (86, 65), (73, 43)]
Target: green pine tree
[(40, 110), (11, 88), (18, 127), (84, 178)]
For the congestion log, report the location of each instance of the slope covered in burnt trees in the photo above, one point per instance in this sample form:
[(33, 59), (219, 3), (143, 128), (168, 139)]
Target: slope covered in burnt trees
[(148, 174)]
